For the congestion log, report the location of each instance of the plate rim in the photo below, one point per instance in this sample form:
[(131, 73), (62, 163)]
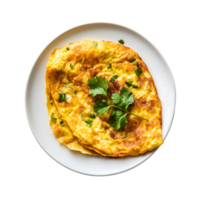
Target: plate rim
[(90, 24)]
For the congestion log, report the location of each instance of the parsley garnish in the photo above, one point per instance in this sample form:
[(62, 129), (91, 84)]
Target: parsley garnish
[(101, 107), (75, 92), (121, 101), (110, 66), (65, 85), (135, 86), (88, 122), (61, 123), (98, 86), (124, 99), (71, 66), (67, 49), (92, 116), (133, 60), (52, 114), (54, 119), (113, 78), (138, 71), (129, 84), (61, 97), (121, 41), (117, 119), (95, 44), (52, 103)]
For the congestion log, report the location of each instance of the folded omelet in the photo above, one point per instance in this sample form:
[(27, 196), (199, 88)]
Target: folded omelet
[(71, 108)]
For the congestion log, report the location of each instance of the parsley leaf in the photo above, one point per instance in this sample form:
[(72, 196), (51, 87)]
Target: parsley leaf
[(113, 78), (92, 116), (61, 97), (117, 119), (75, 92), (110, 66), (135, 86), (127, 97), (71, 66), (128, 84), (114, 115), (67, 49), (52, 103), (117, 99), (129, 80), (101, 107), (88, 122), (52, 114), (54, 119), (95, 44), (61, 123), (133, 60), (124, 99), (98, 86), (138, 71), (121, 41)]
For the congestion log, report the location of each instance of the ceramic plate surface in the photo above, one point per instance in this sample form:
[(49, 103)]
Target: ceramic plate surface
[(35, 98)]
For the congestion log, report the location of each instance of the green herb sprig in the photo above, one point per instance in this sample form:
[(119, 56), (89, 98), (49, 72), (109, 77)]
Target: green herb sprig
[(92, 116), (88, 122), (61, 123), (120, 102), (61, 97), (110, 66), (129, 84), (138, 71), (71, 66), (54, 119), (133, 60), (95, 44), (121, 41), (113, 78)]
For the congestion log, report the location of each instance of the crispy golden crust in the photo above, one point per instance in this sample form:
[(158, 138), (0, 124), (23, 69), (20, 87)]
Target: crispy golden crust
[(87, 61)]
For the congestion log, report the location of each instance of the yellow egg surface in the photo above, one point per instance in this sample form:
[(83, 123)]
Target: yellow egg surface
[(68, 70)]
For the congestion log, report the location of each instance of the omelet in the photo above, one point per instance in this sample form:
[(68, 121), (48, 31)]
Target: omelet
[(70, 105)]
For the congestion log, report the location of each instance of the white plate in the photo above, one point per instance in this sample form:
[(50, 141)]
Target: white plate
[(36, 98)]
